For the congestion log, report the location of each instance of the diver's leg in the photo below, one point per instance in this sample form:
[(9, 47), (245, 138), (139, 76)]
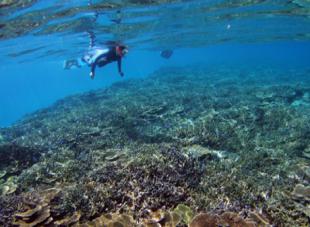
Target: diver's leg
[(73, 63)]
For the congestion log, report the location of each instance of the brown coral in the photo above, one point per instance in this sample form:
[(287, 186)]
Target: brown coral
[(69, 220), (162, 218), (38, 211), (110, 220), (38, 215)]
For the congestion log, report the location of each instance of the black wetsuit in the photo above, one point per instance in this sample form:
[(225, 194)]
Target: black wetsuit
[(107, 58)]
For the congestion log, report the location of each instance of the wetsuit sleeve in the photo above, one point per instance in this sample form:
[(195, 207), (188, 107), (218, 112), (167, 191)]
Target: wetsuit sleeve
[(119, 65)]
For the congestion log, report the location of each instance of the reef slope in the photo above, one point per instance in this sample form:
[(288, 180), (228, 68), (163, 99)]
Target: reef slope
[(215, 139)]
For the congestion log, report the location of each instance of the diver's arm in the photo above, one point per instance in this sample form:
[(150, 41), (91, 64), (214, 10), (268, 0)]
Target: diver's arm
[(92, 71), (119, 65)]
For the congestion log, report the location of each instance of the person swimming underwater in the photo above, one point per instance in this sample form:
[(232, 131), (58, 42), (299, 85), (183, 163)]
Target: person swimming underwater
[(98, 56)]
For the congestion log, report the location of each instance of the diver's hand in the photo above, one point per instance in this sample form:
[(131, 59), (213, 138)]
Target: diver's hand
[(92, 75), (121, 73)]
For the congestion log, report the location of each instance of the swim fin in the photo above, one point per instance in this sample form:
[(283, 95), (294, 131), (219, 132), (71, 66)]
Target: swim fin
[(72, 64)]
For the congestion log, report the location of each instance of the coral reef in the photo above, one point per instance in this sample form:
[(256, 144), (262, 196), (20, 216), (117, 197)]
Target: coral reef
[(162, 218), (301, 193), (186, 214), (227, 219), (111, 220), (231, 143), (8, 206), (39, 215), (9, 186), (14, 158), (38, 209)]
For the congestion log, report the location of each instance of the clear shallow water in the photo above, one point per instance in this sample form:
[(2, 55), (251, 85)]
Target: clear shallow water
[(37, 36), (58, 28), (221, 126)]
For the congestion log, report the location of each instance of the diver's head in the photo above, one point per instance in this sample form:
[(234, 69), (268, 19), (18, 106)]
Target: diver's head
[(121, 50)]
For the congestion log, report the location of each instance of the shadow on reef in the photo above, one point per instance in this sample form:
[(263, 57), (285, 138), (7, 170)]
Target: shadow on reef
[(229, 143), (13, 160)]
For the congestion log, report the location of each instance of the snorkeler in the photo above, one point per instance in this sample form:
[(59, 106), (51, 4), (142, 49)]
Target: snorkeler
[(97, 56)]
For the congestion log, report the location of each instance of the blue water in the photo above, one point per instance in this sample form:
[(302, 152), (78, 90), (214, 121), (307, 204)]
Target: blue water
[(214, 32), (222, 125), (26, 87)]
